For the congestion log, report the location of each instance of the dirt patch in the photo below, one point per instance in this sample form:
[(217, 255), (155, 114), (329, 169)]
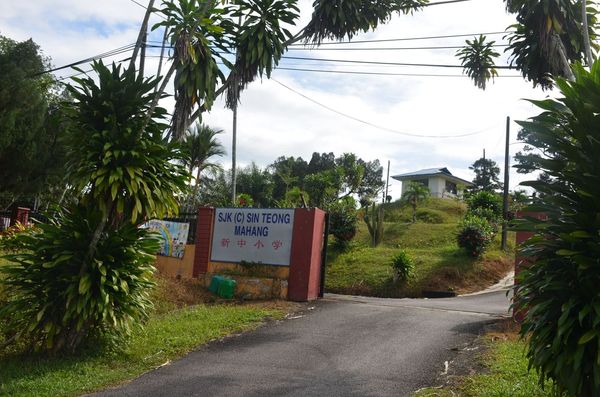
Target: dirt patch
[(172, 293), (481, 276)]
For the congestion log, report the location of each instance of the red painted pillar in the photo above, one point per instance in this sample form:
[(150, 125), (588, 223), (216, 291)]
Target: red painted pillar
[(204, 229), (21, 215), (305, 261)]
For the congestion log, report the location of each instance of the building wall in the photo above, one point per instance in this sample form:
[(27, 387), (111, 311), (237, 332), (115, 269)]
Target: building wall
[(437, 185)]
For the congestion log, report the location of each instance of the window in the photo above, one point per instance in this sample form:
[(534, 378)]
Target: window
[(424, 182), (451, 187)]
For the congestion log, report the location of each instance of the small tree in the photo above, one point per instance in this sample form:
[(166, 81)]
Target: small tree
[(415, 193), (89, 271), (487, 175), (343, 220)]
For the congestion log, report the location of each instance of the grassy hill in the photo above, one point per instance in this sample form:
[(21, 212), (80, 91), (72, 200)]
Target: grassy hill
[(440, 264)]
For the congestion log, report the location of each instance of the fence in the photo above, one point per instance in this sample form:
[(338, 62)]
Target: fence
[(4, 220), (192, 219)]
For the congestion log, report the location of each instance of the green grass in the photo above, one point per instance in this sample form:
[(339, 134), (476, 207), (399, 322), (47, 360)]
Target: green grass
[(164, 338), (506, 376), (439, 263)]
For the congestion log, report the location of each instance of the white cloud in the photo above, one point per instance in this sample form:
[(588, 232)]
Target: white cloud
[(274, 121)]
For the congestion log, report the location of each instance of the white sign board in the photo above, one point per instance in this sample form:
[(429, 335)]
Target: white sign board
[(253, 235)]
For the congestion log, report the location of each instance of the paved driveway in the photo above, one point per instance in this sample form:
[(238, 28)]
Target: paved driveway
[(345, 346)]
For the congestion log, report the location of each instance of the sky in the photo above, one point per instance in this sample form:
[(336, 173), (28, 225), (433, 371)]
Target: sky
[(296, 113)]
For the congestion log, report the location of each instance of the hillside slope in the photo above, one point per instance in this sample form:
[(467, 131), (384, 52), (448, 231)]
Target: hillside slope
[(440, 265)]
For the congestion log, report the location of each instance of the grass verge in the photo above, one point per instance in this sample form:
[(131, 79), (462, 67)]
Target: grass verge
[(503, 372), (173, 330)]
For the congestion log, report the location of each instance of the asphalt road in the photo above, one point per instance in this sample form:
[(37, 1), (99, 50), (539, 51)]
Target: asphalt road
[(345, 346)]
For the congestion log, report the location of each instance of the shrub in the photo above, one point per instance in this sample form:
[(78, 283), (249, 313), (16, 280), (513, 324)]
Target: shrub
[(487, 203), (474, 235), (244, 200), (403, 266), (55, 303), (343, 220), (558, 292)]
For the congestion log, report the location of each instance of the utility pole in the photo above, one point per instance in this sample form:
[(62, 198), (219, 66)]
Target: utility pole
[(387, 182), (234, 152), (234, 138), (139, 44), (506, 180)]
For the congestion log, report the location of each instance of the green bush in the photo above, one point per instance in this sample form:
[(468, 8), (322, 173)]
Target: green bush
[(88, 272), (403, 266), (475, 234), (428, 215), (487, 204), (343, 220), (55, 303), (558, 292)]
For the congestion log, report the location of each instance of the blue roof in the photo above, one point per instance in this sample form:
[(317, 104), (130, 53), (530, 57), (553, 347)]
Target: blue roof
[(427, 172)]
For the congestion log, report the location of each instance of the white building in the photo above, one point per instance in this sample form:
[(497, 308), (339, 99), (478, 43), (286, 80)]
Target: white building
[(440, 181)]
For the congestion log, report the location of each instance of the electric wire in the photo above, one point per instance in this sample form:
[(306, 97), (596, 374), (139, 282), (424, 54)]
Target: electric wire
[(375, 125)]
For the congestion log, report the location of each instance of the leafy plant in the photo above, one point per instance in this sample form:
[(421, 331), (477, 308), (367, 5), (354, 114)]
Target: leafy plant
[(244, 200), (475, 234), (403, 266), (558, 291), (486, 202), (88, 272), (55, 303), (477, 59), (343, 220)]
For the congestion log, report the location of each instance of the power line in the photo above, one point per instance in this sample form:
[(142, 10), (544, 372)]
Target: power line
[(407, 38), (107, 54), (387, 63), (381, 73), (456, 47), (374, 125)]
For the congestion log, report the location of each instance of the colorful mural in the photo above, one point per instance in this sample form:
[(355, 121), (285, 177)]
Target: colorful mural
[(174, 235)]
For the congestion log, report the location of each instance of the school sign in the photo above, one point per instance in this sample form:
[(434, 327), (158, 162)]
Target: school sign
[(252, 235)]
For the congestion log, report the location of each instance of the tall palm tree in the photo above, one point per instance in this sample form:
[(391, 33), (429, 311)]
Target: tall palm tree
[(199, 146), (416, 192)]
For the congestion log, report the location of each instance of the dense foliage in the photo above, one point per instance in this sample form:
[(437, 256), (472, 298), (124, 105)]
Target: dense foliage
[(558, 292), (31, 156), (88, 272), (474, 235), (487, 175), (486, 205), (343, 220)]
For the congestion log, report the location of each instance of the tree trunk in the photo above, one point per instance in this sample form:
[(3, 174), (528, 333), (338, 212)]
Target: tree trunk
[(414, 206), (586, 35)]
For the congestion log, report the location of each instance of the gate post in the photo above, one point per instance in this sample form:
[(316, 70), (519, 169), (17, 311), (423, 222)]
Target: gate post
[(204, 231), (305, 261)]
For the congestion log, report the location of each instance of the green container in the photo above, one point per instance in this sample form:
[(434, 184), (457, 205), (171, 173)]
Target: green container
[(227, 288), (215, 282)]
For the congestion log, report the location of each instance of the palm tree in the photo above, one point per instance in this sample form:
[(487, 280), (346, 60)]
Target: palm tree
[(414, 193), (477, 59), (199, 146)]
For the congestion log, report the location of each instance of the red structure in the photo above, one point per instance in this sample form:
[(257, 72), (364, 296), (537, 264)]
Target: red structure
[(520, 260), (19, 214), (305, 264), (204, 229), (304, 281)]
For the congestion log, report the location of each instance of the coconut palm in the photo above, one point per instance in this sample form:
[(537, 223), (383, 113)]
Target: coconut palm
[(415, 193), (200, 145)]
